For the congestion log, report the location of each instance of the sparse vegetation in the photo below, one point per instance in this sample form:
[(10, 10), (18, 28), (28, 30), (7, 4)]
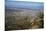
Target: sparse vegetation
[(24, 22), (41, 16), (21, 23)]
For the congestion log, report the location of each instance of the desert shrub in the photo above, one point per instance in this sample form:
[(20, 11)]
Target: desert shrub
[(41, 22), (41, 16), (38, 21), (22, 23), (10, 20)]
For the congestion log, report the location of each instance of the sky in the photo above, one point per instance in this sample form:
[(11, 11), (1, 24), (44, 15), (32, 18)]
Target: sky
[(27, 4), (28, 0)]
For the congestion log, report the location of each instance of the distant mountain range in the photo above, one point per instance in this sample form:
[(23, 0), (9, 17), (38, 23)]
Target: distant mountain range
[(26, 8)]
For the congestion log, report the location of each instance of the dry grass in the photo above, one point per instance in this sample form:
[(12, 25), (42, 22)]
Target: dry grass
[(24, 22)]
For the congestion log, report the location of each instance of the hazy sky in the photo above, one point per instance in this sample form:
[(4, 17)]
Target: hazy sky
[(29, 5), (28, 0)]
